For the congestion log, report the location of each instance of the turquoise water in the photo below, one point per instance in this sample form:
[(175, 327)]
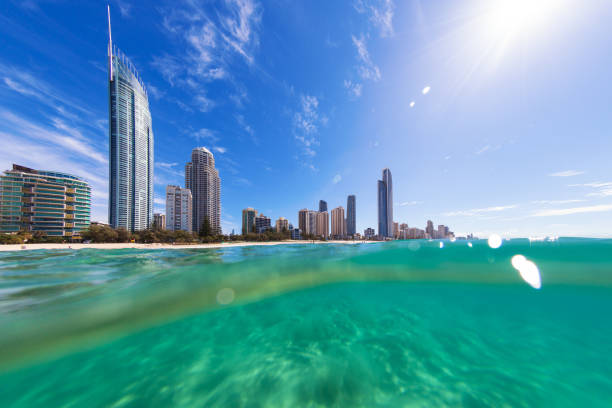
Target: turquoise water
[(399, 324)]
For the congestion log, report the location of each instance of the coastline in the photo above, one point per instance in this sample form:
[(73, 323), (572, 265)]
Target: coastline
[(126, 245)]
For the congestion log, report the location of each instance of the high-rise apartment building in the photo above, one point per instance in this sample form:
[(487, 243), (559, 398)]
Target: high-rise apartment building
[(130, 184), (385, 205), (159, 221), (338, 228), (248, 220), (302, 215), (282, 224), (57, 204), (396, 230), (429, 229), (202, 178), (369, 233), (351, 217), (322, 228), (311, 222), (322, 206), (179, 210), (262, 224)]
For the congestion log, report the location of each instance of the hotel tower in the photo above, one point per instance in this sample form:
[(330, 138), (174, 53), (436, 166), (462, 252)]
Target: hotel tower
[(203, 180), (130, 145), (385, 205)]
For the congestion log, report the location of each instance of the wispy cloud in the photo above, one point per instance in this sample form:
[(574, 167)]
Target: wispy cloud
[(337, 178), (159, 201), (407, 203), (575, 210), (567, 173), (211, 42), (556, 202), (367, 69), (306, 123), (246, 128), (125, 8), (604, 189), (220, 149), (353, 89), (479, 211), (484, 149), (380, 13)]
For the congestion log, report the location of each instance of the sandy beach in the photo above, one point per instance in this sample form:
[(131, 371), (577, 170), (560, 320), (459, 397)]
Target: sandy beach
[(21, 247)]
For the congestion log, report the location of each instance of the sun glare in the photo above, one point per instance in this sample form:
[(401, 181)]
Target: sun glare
[(509, 17)]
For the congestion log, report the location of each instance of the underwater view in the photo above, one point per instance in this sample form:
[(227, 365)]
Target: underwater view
[(398, 324)]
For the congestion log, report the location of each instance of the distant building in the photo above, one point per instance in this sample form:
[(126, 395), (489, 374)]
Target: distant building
[(416, 233), (248, 220), (396, 230), (202, 178), (311, 223), (302, 218), (262, 224), (403, 231), (322, 228), (351, 217), (429, 230), (282, 224), (159, 221), (57, 204), (322, 206), (178, 209), (337, 223), (385, 205), (369, 233), (130, 186), (296, 234)]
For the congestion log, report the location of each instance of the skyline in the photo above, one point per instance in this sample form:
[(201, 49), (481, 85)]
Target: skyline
[(474, 150)]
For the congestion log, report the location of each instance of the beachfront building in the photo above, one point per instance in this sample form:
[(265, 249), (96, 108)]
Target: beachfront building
[(159, 221), (429, 229), (248, 220), (202, 178), (351, 217), (282, 224), (262, 224), (369, 233), (57, 204), (322, 228), (130, 186), (302, 216), (179, 210), (385, 205), (338, 226)]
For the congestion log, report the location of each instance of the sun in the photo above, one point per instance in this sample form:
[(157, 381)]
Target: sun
[(505, 18)]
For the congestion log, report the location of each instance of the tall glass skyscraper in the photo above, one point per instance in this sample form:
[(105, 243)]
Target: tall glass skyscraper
[(203, 180), (130, 146), (322, 205), (385, 205), (351, 218)]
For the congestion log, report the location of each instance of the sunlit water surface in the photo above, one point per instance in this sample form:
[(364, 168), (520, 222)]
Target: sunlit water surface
[(401, 324)]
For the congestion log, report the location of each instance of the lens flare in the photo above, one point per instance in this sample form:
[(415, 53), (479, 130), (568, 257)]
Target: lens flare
[(495, 241), (528, 271)]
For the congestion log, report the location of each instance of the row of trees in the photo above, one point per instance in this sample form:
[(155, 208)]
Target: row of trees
[(36, 237)]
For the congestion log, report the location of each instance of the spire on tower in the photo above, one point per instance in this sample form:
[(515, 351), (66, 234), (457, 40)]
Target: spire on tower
[(110, 46)]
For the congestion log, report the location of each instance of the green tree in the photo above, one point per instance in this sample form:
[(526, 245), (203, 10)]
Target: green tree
[(205, 229)]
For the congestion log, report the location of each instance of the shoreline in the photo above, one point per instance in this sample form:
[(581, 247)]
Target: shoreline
[(126, 245)]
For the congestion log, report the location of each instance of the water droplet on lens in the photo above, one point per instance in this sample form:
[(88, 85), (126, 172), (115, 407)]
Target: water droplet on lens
[(495, 241), (225, 296), (528, 271)]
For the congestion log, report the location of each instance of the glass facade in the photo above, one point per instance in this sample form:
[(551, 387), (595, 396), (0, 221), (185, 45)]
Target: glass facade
[(131, 148), (57, 204), (351, 218), (385, 205)]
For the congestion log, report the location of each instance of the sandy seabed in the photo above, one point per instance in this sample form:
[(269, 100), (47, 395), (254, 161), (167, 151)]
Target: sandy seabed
[(19, 247)]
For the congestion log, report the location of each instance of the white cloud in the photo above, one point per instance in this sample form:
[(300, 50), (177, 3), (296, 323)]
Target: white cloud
[(575, 210), (604, 188), (204, 103), (353, 89), (380, 14), (407, 203), (567, 173), (556, 202), (479, 211), (484, 149), (220, 149), (306, 123), (155, 92), (159, 201), (337, 178), (367, 70)]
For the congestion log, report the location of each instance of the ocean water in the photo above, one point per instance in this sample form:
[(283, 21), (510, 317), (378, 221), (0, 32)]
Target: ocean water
[(398, 324)]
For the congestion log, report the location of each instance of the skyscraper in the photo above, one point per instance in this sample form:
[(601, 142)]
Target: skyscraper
[(385, 205), (130, 145), (203, 180), (248, 220), (322, 205), (302, 216), (179, 210), (282, 224), (159, 221), (322, 229), (338, 228), (351, 218), (57, 204)]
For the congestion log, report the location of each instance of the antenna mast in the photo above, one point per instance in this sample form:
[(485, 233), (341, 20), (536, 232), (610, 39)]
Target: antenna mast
[(110, 46)]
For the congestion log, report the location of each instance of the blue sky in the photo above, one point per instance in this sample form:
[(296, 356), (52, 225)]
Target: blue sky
[(301, 101)]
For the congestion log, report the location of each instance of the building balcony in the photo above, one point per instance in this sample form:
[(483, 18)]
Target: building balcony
[(68, 233), (69, 216), (70, 207), (27, 199), (26, 219), (70, 190), (68, 225), (70, 199), (29, 190)]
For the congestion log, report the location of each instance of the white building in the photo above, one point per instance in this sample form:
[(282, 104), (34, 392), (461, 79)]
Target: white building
[(178, 209)]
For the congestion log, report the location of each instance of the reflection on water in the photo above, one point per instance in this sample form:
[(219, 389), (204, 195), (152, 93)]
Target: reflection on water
[(394, 324)]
